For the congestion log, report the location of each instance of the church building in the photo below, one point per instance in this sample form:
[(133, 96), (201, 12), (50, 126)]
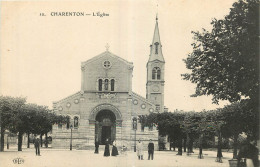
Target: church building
[(106, 107)]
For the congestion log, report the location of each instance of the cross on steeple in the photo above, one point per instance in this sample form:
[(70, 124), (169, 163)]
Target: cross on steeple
[(107, 47), (157, 10)]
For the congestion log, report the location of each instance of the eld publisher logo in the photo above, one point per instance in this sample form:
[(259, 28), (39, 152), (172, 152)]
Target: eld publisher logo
[(18, 161)]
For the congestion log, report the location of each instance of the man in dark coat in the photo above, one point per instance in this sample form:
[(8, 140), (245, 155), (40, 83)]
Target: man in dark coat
[(150, 149), (37, 146), (96, 146)]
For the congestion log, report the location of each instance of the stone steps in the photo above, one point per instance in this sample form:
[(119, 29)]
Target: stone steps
[(88, 147)]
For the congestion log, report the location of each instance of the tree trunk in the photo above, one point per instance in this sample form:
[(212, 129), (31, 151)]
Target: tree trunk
[(235, 147), (20, 141), (219, 154), (174, 144), (219, 147), (46, 141), (28, 140), (41, 139), (2, 140), (191, 145)]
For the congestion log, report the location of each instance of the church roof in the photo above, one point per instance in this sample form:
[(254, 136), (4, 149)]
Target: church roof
[(135, 95), (67, 98), (156, 53), (106, 53)]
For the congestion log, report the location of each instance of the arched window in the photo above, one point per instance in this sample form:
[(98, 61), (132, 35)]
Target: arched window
[(153, 73), (112, 84), (76, 122), (156, 73), (106, 84), (100, 85), (68, 122)]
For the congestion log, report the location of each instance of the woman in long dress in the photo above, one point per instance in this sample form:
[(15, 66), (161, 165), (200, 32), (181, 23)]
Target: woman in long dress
[(139, 148), (107, 152), (114, 149)]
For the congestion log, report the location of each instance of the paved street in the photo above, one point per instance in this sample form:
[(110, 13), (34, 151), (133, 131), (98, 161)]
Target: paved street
[(79, 158)]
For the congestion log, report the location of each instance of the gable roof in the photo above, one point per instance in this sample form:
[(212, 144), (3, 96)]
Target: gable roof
[(106, 53)]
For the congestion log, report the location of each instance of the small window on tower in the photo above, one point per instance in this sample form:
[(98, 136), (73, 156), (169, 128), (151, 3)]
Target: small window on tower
[(153, 73), (156, 47), (158, 74)]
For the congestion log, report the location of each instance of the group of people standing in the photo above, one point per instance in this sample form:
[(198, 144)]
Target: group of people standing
[(139, 149), (107, 150)]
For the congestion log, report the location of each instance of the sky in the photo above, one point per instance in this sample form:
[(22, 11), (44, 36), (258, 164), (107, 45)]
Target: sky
[(40, 56)]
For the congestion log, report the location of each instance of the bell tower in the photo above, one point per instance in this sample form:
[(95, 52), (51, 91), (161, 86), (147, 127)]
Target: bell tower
[(155, 72)]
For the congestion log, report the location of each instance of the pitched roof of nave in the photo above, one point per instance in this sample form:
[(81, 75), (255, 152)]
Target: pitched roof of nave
[(79, 93), (69, 97), (106, 53), (137, 96)]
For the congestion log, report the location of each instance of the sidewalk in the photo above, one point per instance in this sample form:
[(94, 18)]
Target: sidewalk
[(86, 158)]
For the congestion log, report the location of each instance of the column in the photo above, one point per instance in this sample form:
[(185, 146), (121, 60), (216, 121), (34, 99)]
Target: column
[(92, 124), (119, 133)]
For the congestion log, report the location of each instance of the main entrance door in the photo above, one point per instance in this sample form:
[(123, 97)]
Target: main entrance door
[(106, 133), (105, 127)]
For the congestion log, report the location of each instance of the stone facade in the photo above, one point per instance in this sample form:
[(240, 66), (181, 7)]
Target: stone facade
[(106, 106)]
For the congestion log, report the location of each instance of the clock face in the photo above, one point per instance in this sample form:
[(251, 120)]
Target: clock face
[(155, 88), (151, 109), (135, 102), (143, 106)]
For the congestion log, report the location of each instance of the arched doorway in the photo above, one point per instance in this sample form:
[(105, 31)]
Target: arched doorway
[(105, 126)]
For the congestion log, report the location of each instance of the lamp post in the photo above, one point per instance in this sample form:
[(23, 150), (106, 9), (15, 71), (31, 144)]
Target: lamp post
[(7, 145), (71, 137), (135, 128)]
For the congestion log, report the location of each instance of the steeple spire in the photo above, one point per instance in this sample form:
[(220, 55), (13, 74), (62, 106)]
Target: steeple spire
[(156, 47), (155, 71)]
